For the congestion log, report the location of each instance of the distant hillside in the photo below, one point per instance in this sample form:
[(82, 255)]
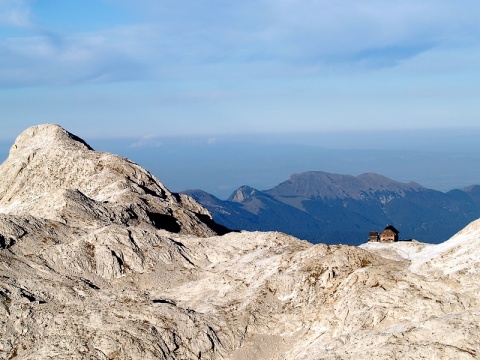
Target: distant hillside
[(333, 208)]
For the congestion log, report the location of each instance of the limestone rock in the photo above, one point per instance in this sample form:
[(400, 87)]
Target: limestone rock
[(98, 260), (52, 174)]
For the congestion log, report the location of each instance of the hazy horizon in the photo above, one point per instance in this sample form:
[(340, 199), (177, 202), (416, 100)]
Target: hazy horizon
[(217, 95), (123, 68), (441, 159)]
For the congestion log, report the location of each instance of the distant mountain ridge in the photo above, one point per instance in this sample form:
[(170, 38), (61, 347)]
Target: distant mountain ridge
[(319, 184), (336, 208)]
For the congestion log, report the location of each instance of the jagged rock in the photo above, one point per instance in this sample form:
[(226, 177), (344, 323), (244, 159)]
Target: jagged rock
[(98, 260), (52, 174)]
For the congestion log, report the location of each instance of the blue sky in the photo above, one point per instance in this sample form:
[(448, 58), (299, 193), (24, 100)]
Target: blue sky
[(153, 68)]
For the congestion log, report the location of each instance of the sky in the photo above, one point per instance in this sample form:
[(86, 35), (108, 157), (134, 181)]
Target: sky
[(148, 69), (217, 94)]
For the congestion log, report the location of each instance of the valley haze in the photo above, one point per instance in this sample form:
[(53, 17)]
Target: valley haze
[(438, 159)]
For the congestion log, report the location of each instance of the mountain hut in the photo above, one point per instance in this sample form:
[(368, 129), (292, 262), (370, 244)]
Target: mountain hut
[(389, 234), (373, 236)]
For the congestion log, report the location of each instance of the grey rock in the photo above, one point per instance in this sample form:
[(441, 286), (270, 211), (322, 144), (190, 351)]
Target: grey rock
[(87, 272)]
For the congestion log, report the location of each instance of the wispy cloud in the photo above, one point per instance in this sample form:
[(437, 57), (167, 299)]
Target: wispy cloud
[(178, 39), (147, 141), (47, 59), (15, 13)]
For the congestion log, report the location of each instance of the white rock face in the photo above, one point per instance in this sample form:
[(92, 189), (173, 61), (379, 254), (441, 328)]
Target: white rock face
[(98, 260), (52, 174)]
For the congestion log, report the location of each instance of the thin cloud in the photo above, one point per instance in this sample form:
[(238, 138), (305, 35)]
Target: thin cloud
[(15, 13), (147, 141), (214, 39), (55, 60)]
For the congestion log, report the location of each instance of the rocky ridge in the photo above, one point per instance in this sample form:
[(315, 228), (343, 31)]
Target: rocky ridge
[(323, 185), (99, 260), (52, 174)]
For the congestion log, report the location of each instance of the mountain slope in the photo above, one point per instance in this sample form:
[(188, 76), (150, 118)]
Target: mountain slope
[(86, 273), (333, 208), (253, 210), (49, 172)]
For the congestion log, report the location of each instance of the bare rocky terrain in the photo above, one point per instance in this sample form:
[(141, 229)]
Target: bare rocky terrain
[(98, 260)]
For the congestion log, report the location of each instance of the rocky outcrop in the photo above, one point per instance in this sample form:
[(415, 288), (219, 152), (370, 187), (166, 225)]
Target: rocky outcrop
[(103, 262), (52, 174)]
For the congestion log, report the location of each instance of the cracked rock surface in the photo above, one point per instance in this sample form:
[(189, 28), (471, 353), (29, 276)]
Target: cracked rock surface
[(98, 260)]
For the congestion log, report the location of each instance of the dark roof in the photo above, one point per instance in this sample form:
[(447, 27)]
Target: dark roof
[(373, 233), (391, 227)]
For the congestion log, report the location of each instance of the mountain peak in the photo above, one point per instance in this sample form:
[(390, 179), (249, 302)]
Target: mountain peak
[(319, 184), (44, 136), (374, 177), (53, 174), (242, 193), (471, 189), (382, 181)]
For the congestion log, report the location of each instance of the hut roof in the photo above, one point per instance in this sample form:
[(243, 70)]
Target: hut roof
[(391, 227)]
